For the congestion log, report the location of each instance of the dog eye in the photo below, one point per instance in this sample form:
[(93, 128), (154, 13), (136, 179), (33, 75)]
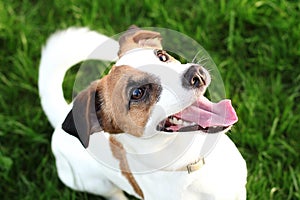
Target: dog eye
[(162, 55), (138, 93)]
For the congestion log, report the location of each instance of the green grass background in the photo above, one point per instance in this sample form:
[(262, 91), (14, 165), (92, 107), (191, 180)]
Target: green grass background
[(255, 44)]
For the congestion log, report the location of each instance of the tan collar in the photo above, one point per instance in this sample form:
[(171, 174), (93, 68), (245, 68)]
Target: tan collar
[(192, 167)]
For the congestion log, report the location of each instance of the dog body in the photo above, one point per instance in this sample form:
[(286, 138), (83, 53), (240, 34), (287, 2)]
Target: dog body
[(126, 136)]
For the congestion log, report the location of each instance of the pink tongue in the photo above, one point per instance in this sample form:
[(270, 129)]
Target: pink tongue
[(206, 113)]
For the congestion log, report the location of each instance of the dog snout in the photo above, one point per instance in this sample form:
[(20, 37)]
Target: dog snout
[(194, 77)]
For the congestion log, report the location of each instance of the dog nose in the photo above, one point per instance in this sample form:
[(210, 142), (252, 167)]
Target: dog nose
[(194, 77)]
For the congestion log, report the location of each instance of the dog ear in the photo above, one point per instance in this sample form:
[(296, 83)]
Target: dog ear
[(135, 37), (82, 120)]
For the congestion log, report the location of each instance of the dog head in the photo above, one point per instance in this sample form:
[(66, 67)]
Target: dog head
[(148, 92)]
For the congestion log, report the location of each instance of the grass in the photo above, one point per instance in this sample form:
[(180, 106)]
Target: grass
[(255, 45)]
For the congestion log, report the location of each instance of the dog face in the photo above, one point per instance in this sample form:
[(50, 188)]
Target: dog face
[(182, 84), (147, 92)]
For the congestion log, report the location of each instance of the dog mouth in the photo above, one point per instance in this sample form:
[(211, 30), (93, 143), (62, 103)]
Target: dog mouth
[(203, 115)]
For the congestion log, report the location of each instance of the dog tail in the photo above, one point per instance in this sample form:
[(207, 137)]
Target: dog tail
[(63, 50)]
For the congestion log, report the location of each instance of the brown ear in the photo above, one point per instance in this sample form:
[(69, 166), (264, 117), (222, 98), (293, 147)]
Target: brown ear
[(135, 37), (82, 120)]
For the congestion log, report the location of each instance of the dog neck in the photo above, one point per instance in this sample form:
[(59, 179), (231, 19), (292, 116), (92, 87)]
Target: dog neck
[(170, 152), (145, 144)]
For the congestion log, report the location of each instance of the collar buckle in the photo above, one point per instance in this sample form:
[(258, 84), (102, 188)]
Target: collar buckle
[(196, 165)]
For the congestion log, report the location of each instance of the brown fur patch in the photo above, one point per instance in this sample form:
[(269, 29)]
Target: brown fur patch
[(120, 154), (117, 114)]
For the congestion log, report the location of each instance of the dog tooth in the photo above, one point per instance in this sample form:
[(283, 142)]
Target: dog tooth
[(171, 120), (175, 120), (180, 121), (185, 123)]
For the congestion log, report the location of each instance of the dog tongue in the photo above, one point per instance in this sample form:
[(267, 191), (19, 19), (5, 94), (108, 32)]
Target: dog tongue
[(207, 114)]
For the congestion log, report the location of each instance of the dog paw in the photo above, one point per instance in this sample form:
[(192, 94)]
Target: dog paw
[(118, 196)]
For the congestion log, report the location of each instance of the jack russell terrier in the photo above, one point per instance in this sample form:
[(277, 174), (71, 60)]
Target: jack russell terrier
[(147, 118)]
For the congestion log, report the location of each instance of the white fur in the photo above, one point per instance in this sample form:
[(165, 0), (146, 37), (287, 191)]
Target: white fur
[(222, 177)]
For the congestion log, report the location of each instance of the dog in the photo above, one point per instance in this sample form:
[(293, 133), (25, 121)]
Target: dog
[(140, 128)]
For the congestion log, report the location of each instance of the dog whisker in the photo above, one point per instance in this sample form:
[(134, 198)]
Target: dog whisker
[(195, 56)]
